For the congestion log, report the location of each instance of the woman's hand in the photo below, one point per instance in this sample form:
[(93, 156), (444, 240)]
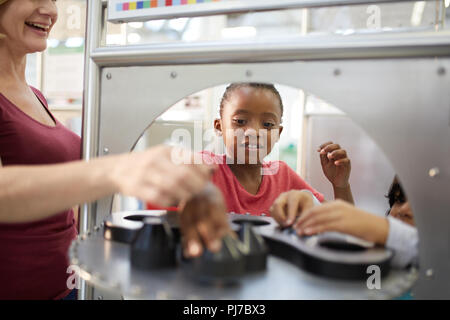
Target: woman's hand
[(335, 164), (203, 219), (289, 205), (154, 176), (343, 217)]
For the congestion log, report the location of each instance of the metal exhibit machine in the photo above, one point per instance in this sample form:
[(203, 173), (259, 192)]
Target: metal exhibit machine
[(394, 85)]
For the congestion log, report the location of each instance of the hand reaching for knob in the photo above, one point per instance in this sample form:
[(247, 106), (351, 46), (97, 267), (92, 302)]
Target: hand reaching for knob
[(203, 221)]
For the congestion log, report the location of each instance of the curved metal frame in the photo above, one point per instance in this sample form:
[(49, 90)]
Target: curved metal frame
[(395, 87)]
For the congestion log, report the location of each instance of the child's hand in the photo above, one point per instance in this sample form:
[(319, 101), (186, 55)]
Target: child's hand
[(289, 205), (203, 220), (335, 164), (343, 217)]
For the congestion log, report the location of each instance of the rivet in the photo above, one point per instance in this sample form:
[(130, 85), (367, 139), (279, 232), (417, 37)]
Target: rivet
[(433, 172), (105, 150), (173, 74), (108, 76)]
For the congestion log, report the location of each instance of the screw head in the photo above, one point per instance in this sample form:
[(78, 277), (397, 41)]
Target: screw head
[(100, 298), (441, 71), (337, 72), (433, 172), (249, 73), (108, 76), (105, 150), (173, 74), (429, 273)]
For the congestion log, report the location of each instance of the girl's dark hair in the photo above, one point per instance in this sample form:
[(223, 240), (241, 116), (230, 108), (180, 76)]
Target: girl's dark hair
[(395, 194), (232, 87)]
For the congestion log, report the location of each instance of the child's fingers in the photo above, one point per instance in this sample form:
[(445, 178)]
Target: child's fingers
[(277, 210), (330, 226), (315, 220), (306, 202), (293, 204), (220, 222), (324, 209), (192, 245), (342, 162), (337, 154), (318, 224), (207, 231), (330, 148), (323, 159), (323, 145)]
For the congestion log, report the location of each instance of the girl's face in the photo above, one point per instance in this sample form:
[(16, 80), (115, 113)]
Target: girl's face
[(27, 24), (403, 212), (250, 124)]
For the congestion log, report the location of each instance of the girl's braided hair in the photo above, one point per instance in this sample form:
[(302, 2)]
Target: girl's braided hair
[(234, 86)]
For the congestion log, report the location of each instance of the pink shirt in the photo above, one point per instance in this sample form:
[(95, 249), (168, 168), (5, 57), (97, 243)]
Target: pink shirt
[(277, 178)]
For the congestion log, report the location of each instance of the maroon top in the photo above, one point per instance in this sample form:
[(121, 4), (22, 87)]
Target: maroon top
[(33, 256)]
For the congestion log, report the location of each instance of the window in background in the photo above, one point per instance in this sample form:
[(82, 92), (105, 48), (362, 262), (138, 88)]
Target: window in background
[(340, 21), (63, 64)]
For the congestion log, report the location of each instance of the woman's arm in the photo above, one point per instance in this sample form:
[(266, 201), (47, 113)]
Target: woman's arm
[(29, 193)]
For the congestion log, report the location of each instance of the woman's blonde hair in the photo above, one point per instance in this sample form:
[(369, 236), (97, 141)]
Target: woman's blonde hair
[(2, 2)]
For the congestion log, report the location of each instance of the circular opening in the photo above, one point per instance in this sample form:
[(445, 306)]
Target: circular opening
[(341, 246), (136, 217), (255, 222)]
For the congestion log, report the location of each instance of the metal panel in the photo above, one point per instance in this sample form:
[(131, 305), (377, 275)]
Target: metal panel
[(382, 45), (401, 104)]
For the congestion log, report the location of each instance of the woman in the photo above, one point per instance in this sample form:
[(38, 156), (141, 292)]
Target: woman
[(41, 176)]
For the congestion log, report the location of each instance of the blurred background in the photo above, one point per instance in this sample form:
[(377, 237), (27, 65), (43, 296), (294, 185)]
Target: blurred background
[(308, 120)]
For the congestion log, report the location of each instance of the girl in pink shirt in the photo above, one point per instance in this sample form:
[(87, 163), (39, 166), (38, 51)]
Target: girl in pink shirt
[(250, 123)]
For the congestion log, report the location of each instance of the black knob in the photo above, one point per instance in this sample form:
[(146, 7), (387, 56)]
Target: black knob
[(154, 245), (253, 248), (222, 267)]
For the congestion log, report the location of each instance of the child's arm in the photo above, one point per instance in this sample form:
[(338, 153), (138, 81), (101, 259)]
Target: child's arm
[(343, 217), (336, 166)]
